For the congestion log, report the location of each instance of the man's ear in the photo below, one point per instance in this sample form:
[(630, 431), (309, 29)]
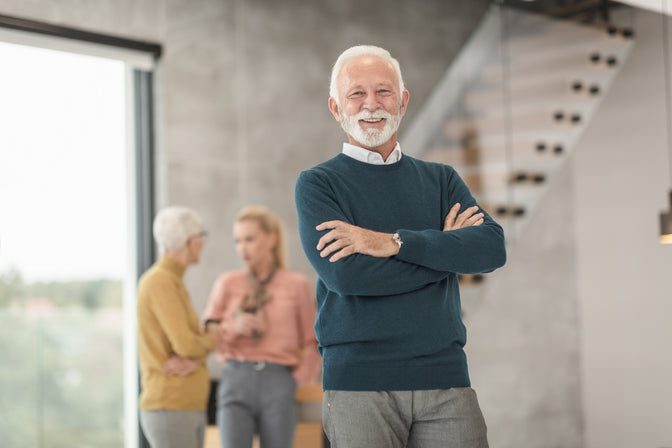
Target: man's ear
[(404, 101), (333, 107)]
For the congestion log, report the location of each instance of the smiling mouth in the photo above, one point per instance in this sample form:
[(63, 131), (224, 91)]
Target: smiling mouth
[(372, 120)]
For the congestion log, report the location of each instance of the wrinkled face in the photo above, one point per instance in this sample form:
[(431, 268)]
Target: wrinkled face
[(253, 245), (371, 105)]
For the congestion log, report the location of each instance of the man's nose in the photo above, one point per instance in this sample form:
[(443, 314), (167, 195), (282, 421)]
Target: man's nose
[(371, 102)]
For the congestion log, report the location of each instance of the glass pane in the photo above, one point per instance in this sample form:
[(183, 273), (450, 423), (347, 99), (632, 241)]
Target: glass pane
[(63, 248)]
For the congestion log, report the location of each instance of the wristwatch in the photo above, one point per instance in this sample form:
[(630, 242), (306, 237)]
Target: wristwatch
[(397, 239)]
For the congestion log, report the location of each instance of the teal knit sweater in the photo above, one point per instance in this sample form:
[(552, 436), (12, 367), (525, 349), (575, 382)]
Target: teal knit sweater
[(393, 323)]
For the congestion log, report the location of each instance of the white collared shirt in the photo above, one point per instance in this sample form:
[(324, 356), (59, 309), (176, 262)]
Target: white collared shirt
[(366, 156)]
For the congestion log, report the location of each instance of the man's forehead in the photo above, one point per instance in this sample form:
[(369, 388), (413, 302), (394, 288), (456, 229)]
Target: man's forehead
[(361, 65)]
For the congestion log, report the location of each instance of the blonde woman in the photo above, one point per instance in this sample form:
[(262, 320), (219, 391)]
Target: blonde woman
[(266, 314), (171, 347)]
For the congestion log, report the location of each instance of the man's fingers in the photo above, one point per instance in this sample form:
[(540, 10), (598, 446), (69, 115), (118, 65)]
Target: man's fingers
[(465, 215), (468, 213), (453, 211), (467, 218), (450, 217), (473, 219), (348, 250), (325, 240), (333, 247), (329, 236), (328, 225), (333, 243)]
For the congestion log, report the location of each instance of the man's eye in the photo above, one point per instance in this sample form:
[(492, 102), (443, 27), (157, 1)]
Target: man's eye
[(355, 94)]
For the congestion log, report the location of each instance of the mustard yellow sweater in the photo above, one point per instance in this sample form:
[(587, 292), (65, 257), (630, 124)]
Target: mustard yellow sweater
[(167, 325)]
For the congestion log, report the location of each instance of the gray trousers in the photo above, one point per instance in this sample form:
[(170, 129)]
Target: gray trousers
[(256, 398), (445, 418), (174, 429)]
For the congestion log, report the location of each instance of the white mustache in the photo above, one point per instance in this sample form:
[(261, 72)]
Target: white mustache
[(380, 113)]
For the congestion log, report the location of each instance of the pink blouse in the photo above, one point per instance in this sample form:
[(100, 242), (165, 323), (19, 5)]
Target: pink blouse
[(290, 311)]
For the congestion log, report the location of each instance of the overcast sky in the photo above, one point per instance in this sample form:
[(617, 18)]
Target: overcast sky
[(62, 165)]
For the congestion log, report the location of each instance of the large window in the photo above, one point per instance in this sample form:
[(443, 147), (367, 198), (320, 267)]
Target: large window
[(73, 142)]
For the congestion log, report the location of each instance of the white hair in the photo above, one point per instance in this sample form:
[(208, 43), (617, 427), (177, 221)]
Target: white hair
[(357, 51), (173, 226)]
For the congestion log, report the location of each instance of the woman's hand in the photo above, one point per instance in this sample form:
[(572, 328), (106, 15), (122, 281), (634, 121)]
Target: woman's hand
[(249, 324), (180, 366)]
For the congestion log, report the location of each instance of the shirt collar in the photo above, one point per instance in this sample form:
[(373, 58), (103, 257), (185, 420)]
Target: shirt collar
[(366, 156)]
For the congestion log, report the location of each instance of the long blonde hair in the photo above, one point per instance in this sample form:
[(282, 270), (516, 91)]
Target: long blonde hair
[(269, 223)]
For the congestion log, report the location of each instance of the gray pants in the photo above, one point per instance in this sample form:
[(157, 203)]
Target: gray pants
[(174, 429), (399, 419), (256, 397)]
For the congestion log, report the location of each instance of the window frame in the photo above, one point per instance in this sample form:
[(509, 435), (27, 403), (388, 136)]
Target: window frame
[(141, 58)]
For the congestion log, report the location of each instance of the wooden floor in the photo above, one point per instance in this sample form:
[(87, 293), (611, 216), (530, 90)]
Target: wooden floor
[(306, 435)]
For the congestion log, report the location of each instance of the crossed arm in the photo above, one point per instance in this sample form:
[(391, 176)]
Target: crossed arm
[(178, 365), (345, 239)]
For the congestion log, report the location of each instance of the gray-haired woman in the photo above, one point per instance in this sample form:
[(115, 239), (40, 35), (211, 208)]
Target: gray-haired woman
[(171, 347)]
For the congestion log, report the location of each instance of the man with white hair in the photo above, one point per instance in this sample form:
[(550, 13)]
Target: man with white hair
[(171, 347), (387, 234)]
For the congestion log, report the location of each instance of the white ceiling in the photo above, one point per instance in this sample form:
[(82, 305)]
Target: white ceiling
[(651, 5)]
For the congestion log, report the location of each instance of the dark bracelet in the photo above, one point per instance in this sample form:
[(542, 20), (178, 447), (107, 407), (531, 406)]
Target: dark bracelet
[(212, 321)]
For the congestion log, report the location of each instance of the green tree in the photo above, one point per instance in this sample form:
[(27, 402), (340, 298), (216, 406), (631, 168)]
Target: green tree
[(11, 287)]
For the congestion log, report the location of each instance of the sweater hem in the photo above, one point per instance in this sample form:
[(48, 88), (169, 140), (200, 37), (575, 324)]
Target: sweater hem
[(377, 378)]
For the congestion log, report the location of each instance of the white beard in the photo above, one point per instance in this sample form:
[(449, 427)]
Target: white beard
[(371, 138)]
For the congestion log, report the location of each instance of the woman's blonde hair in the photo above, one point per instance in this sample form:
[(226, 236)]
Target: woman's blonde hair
[(269, 223)]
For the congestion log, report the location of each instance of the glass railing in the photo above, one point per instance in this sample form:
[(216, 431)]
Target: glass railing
[(61, 375)]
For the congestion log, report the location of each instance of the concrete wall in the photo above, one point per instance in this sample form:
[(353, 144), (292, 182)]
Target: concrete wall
[(570, 344), (621, 172), (140, 20), (523, 343)]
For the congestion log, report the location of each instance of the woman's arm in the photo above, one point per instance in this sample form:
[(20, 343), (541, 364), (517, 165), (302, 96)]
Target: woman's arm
[(307, 370)]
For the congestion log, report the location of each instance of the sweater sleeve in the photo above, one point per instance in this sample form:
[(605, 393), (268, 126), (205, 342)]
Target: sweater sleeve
[(216, 308), (469, 250), (216, 304), (169, 309), (356, 274)]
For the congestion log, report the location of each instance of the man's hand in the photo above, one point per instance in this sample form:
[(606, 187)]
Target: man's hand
[(467, 218), (344, 239), (180, 366)]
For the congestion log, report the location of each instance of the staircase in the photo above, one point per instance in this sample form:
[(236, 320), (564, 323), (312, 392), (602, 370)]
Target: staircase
[(510, 109)]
